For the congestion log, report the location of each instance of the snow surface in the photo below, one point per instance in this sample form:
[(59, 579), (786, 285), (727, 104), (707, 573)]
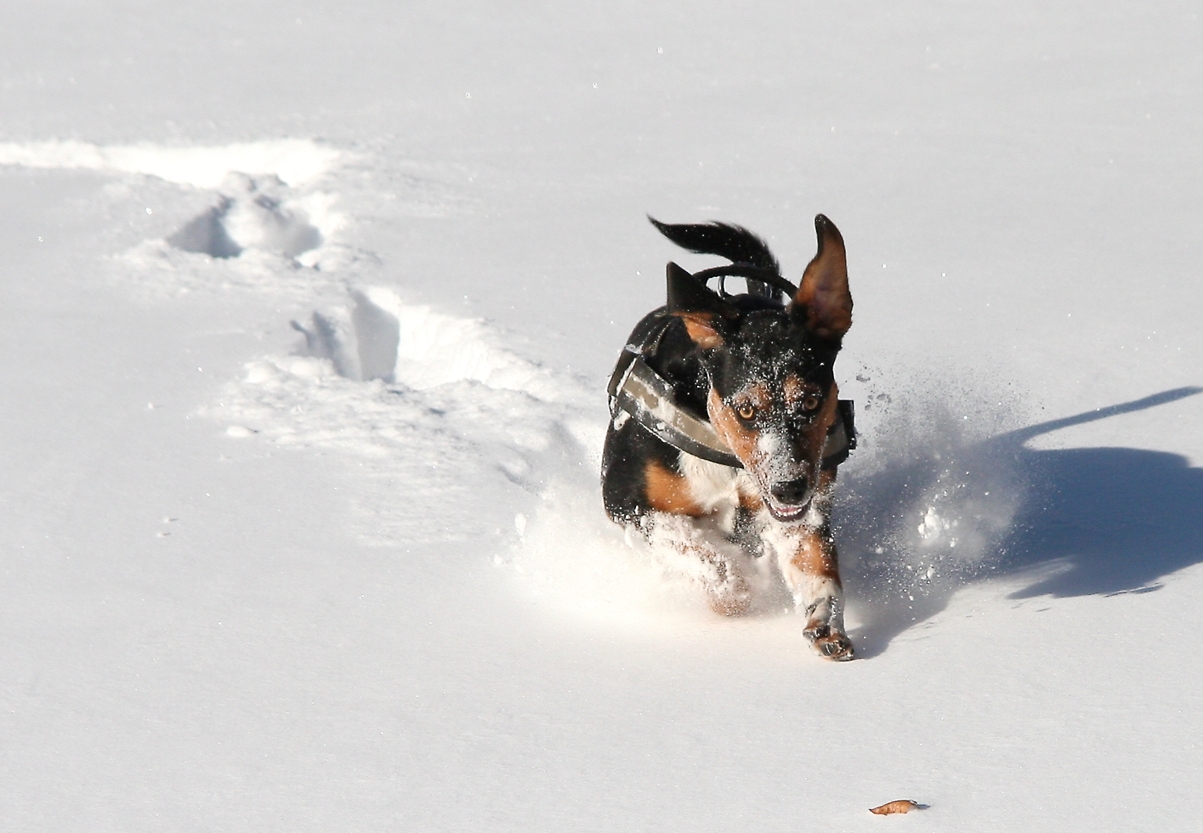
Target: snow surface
[(307, 315)]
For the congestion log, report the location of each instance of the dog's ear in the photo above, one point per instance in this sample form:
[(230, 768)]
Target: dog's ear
[(823, 296), (697, 305)]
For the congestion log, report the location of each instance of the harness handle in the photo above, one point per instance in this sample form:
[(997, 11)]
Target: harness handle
[(744, 270)]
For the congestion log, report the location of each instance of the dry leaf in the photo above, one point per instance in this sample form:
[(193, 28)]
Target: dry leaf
[(902, 805)]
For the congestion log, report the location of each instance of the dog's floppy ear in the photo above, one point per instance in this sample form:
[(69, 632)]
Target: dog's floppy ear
[(697, 305), (823, 296)]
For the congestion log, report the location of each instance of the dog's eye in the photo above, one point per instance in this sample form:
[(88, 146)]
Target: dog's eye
[(745, 412), (811, 403)]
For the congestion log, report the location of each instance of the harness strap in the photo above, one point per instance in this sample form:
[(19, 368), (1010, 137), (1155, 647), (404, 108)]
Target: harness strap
[(767, 277), (646, 396), (638, 390)]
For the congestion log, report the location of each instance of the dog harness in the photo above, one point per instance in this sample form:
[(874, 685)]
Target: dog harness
[(637, 390)]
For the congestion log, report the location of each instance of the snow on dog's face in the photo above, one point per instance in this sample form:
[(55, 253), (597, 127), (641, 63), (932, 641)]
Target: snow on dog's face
[(773, 395), (772, 400)]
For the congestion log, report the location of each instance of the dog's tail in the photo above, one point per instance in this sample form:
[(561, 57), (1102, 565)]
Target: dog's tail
[(735, 243)]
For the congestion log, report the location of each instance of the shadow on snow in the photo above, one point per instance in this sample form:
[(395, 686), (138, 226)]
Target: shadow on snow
[(1100, 521)]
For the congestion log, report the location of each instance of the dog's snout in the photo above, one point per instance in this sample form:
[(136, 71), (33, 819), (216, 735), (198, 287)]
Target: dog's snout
[(791, 492)]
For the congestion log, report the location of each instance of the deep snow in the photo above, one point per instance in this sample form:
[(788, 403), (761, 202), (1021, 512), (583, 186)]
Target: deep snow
[(306, 318)]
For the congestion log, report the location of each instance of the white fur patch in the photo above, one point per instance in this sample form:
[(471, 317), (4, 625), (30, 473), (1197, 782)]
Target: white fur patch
[(768, 443), (816, 515), (715, 488), (819, 596)]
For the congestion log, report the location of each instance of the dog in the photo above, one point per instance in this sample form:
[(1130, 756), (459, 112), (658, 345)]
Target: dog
[(726, 425)]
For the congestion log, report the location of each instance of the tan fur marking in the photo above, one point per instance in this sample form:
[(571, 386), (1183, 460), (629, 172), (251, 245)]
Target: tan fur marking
[(700, 326), (756, 394), (816, 434), (752, 502), (668, 491), (815, 556), (739, 439), (814, 553)]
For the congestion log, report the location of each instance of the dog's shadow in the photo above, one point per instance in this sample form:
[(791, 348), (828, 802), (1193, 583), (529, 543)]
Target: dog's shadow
[(1096, 521)]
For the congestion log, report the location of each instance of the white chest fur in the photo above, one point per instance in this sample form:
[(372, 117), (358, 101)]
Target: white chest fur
[(716, 488)]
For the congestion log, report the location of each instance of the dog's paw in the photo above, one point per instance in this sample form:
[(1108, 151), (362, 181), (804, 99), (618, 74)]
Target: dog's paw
[(830, 644), (835, 646)]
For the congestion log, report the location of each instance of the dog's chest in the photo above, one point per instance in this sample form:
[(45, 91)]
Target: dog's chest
[(717, 489)]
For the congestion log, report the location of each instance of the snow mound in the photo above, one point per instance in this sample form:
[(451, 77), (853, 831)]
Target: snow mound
[(254, 213), (264, 210), (466, 432), (252, 232), (264, 216), (379, 337)]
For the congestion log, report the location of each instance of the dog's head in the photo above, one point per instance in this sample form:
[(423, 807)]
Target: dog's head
[(772, 389)]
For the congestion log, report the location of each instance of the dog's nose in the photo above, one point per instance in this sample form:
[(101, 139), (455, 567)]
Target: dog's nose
[(791, 492)]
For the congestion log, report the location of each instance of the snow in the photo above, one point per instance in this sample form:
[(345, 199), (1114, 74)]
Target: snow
[(294, 161), (307, 316)]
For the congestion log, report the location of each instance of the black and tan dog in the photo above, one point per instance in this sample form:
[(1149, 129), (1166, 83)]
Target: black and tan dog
[(727, 426)]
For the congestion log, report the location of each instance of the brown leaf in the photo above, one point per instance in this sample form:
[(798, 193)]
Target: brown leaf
[(902, 805)]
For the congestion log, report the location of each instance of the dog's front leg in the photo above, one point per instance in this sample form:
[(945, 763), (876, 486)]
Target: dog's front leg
[(807, 558), (707, 556)]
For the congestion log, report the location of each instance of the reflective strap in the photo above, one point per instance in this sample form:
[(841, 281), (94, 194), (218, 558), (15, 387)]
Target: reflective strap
[(646, 396), (644, 341)]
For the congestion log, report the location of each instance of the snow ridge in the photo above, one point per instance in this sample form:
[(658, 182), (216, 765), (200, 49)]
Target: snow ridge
[(296, 162)]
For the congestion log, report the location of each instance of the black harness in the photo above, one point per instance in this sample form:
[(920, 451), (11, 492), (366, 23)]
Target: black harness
[(639, 391)]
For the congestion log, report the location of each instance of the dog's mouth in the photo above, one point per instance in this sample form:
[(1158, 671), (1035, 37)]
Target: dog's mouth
[(787, 512)]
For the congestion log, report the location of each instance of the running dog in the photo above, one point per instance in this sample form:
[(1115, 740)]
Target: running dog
[(727, 427)]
